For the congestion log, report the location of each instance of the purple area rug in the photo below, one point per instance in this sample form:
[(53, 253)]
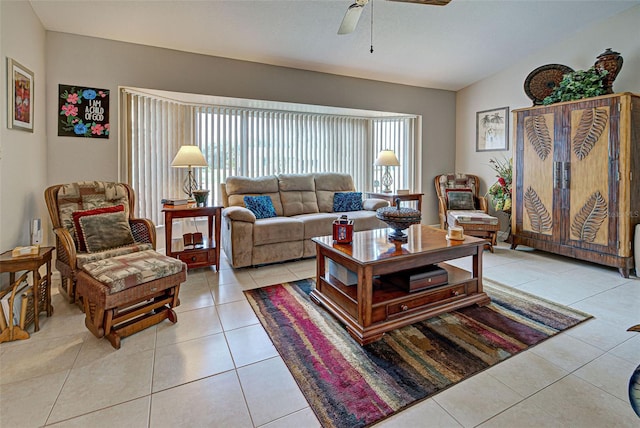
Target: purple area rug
[(348, 385)]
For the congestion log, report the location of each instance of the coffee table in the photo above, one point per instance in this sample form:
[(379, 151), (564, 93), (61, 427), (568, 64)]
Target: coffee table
[(373, 307)]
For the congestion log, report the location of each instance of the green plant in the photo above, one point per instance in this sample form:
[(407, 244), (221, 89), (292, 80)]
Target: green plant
[(577, 85), (500, 191)]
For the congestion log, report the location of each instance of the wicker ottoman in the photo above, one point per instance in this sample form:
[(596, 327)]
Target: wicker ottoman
[(125, 294)]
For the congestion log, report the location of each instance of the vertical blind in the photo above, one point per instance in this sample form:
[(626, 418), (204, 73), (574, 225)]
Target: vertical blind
[(252, 143)]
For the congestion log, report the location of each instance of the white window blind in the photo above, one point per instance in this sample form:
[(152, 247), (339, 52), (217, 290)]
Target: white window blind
[(255, 142)]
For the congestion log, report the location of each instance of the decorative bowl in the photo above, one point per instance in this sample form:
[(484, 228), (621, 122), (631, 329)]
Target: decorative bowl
[(398, 219), (201, 196)]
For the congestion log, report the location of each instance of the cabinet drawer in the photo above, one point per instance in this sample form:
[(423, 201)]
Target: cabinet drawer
[(198, 258), (426, 300)]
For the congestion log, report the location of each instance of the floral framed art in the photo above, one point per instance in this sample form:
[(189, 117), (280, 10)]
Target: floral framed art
[(20, 93), (492, 130), (83, 112)]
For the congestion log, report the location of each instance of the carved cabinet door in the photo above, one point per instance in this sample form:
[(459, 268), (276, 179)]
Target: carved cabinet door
[(590, 175), (537, 183)]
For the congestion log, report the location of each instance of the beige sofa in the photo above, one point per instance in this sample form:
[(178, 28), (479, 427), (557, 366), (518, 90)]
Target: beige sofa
[(304, 207)]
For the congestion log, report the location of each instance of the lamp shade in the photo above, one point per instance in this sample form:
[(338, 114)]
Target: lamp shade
[(387, 158), (189, 156)]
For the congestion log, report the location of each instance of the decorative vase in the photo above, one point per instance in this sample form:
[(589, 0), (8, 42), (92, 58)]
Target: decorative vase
[(201, 197), (612, 62)]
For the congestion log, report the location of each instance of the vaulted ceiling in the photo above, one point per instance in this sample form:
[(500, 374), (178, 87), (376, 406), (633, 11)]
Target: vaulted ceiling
[(446, 47)]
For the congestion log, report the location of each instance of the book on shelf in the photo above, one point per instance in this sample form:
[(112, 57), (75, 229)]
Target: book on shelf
[(174, 201)]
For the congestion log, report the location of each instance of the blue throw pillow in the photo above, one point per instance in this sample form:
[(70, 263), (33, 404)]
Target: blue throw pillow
[(347, 201), (260, 206)]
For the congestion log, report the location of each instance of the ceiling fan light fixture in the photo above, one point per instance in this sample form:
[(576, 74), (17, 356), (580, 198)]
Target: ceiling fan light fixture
[(351, 18)]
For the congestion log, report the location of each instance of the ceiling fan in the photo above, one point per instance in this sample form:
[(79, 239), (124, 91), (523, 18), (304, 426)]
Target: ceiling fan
[(352, 16)]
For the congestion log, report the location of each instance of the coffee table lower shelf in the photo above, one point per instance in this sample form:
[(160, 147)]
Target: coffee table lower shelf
[(391, 307)]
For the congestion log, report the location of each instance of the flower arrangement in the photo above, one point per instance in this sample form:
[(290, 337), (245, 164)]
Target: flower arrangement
[(500, 191)]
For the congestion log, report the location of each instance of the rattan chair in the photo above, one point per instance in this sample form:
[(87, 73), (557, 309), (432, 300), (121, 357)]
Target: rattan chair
[(65, 199)]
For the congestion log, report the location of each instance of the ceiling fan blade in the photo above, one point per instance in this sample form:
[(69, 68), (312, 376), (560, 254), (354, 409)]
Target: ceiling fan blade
[(429, 2), (350, 19)]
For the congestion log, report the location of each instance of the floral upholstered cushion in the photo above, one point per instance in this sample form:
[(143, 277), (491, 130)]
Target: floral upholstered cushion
[(260, 206), (470, 217), (84, 258), (122, 272), (347, 201)]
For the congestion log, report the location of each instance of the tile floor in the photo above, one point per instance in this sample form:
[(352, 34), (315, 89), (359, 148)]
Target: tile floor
[(217, 368)]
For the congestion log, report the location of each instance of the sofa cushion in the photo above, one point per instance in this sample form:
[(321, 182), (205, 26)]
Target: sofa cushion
[(298, 194), (347, 201), (260, 206), (277, 229), (365, 220), (327, 184), (239, 187), (320, 224)]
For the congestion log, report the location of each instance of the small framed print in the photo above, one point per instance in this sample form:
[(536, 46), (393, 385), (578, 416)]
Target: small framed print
[(492, 130), (19, 96)]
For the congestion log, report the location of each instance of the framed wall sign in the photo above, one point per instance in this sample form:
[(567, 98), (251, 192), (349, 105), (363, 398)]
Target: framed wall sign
[(19, 96), (492, 129), (83, 112)]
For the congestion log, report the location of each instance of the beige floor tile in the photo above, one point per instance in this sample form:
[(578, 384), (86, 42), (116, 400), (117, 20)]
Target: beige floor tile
[(566, 352), (565, 291), (609, 373), (94, 349), (236, 314), (418, 415), (269, 271), (112, 380), (191, 360), (216, 401), (573, 402), (302, 265), (32, 358), (629, 350), (249, 345), (194, 296), (304, 274), (526, 373), (230, 276), (27, 403), (600, 333), (304, 418), (270, 391), (227, 293), (513, 274), (132, 414), (191, 325), (477, 399), (285, 276), (618, 305)]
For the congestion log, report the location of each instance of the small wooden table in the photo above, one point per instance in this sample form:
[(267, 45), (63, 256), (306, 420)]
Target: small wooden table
[(373, 307), (209, 253), (41, 285), (391, 197)]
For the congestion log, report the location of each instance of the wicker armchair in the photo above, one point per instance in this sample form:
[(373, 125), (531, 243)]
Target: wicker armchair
[(65, 199)]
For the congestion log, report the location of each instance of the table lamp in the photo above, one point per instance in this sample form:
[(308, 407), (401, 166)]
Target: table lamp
[(387, 158), (188, 157)]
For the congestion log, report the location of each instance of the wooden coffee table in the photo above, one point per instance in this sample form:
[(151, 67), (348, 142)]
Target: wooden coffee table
[(373, 307)]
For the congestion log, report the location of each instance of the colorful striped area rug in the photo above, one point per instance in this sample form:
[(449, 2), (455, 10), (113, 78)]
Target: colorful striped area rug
[(348, 385)]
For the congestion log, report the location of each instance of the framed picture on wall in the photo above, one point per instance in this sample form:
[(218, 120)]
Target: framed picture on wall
[(19, 96), (492, 129)]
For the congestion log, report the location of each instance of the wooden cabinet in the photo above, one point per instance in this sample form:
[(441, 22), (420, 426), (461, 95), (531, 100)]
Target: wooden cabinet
[(576, 167)]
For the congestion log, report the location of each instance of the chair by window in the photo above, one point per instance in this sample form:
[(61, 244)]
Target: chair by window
[(93, 220), (460, 204)]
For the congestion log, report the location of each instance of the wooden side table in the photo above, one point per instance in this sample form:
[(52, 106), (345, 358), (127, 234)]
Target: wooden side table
[(391, 197), (209, 253), (41, 286)]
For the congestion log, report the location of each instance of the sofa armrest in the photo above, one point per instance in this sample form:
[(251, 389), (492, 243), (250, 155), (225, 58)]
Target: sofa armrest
[(239, 214), (373, 204)]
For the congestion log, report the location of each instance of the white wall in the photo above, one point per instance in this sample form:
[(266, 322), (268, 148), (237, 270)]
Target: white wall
[(621, 33), (23, 155), (110, 64)]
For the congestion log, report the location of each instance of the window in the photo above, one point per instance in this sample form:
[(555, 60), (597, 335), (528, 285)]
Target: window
[(255, 142)]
